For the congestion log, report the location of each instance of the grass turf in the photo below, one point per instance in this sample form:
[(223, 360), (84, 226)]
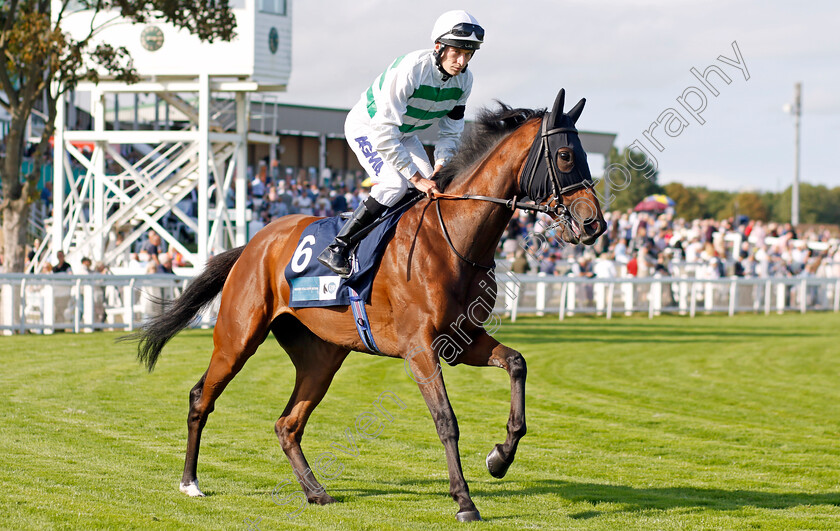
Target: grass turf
[(710, 423)]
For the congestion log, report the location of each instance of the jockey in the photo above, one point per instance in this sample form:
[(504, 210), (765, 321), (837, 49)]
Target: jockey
[(417, 90)]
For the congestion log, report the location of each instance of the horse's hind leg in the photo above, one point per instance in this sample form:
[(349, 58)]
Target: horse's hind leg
[(316, 362), (486, 351), (233, 346)]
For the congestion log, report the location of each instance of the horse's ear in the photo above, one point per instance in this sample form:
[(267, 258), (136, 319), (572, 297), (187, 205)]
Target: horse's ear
[(574, 114), (557, 110)]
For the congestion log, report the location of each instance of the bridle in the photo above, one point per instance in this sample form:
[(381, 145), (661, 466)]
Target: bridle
[(539, 155)]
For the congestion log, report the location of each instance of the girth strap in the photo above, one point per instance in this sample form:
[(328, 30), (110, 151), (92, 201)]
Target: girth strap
[(357, 304)]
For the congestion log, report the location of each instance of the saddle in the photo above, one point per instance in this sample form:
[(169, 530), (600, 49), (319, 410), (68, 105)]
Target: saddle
[(313, 285)]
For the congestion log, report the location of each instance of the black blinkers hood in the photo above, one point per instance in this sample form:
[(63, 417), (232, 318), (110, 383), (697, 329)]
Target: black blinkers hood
[(541, 178)]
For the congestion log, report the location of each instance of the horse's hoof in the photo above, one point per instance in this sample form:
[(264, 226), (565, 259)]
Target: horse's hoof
[(323, 500), (468, 516), (191, 490), (496, 464)]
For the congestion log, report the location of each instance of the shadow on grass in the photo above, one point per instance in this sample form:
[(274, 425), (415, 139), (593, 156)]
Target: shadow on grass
[(534, 333), (636, 499), (630, 499)]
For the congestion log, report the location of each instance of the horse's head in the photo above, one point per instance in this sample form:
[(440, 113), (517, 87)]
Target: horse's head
[(556, 170)]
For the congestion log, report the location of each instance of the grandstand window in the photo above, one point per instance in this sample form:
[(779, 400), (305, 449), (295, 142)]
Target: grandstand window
[(278, 7)]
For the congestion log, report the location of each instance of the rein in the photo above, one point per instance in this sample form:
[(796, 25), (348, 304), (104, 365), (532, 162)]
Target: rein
[(539, 149), (559, 210), (449, 240), (540, 178)]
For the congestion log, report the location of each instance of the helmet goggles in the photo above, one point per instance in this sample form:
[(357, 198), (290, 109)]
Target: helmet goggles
[(465, 29)]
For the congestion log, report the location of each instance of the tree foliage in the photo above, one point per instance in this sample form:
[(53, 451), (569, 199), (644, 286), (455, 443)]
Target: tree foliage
[(41, 63), (687, 199), (630, 178), (748, 204), (818, 204)]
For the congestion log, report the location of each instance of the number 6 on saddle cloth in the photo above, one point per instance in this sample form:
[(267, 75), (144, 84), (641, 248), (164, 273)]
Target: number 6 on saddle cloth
[(314, 285)]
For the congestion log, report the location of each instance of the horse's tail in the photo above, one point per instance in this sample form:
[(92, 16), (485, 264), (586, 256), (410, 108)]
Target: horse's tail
[(177, 314)]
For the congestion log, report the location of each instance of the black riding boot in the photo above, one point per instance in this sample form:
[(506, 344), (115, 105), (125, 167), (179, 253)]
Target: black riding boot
[(335, 256)]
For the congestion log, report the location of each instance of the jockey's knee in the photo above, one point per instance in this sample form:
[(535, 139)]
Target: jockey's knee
[(389, 193)]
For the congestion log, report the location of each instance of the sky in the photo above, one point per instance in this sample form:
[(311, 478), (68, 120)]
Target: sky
[(630, 60)]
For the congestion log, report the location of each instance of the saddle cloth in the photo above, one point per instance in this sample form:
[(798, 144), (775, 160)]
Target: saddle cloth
[(314, 285)]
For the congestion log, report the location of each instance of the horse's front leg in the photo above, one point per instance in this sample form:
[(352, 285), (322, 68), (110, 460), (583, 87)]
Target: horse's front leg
[(484, 351), (426, 372)]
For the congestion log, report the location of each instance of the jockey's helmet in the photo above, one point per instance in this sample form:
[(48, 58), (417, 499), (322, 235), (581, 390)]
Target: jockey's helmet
[(458, 29)]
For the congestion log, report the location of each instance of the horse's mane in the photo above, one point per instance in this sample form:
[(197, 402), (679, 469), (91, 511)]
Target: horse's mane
[(490, 126)]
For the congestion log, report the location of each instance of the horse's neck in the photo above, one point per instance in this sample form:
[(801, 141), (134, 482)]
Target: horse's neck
[(482, 223)]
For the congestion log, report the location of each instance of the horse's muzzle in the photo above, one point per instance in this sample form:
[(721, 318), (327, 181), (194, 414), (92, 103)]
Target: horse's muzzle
[(591, 229)]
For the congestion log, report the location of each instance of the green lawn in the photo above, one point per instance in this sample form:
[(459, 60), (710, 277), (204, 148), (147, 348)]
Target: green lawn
[(671, 423)]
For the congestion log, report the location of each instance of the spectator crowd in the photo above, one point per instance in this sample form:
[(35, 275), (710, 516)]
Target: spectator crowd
[(635, 244), (645, 244)]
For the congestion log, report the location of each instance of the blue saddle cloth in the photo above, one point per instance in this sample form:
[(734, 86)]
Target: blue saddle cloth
[(314, 285)]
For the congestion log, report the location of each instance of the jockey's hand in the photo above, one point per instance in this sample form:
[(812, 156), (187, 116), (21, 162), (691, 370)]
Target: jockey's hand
[(427, 186)]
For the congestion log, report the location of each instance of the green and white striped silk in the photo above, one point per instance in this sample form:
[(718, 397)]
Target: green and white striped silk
[(424, 107), (410, 96)]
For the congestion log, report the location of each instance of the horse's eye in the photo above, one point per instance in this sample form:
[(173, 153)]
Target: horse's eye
[(565, 155)]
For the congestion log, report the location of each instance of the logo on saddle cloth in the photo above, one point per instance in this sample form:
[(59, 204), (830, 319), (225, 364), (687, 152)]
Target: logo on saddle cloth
[(323, 288), (370, 154), (314, 285)]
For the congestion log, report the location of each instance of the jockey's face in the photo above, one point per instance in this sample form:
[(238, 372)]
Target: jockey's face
[(454, 60)]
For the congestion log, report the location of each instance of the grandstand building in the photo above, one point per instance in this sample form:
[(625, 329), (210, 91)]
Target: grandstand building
[(310, 139), (176, 152)]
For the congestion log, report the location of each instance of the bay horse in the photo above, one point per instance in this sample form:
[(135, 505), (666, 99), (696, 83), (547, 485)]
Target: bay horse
[(422, 289)]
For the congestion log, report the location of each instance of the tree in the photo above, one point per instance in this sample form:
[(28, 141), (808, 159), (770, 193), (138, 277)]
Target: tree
[(771, 201), (748, 204), (815, 204), (688, 200), (716, 203), (833, 210), (42, 63), (631, 177)]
